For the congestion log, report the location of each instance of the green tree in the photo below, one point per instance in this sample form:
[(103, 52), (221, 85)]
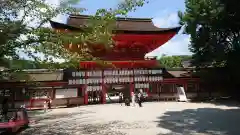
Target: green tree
[(214, 26), (173, 61), (17, 30)]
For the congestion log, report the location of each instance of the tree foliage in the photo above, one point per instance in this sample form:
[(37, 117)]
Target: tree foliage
[(173, 61), (23, 28), (214, 26)]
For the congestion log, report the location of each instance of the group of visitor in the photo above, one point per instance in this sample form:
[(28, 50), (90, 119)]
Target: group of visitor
[(47, 104), (135, 97), (4, 109)]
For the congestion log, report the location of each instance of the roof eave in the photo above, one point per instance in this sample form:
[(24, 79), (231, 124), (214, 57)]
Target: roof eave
[(118, 18), (175, 29), (57, 25)]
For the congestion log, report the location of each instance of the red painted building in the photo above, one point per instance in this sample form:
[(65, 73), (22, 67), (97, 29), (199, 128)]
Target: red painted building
[(129, 69)]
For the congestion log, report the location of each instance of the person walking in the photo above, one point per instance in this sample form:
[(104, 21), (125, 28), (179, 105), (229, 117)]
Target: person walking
[(140, 99), (120, 98), (45, 105), (4, 110), (133, 98), (127, 102), (49, 102)]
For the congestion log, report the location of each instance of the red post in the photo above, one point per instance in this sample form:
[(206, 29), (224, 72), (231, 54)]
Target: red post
[(104, 90), (132, 87), (147, 91), (85, 90), (31, 104), (85, 95), (185, 86), (103, 93)]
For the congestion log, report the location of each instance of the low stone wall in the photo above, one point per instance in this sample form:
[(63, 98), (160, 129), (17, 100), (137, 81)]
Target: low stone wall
[(190, 95), (38, 103)]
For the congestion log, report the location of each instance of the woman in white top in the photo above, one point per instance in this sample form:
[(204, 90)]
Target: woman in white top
[(45, 105), (133, 98)]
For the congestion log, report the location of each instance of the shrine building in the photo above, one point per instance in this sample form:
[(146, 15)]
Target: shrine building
[(128, 72)]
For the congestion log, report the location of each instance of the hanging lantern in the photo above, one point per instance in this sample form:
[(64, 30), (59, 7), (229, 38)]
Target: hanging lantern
[(77, 81), (70, 46), (70, 82), (84, 81), (23, 90), (99, 73), (105, 80), (74, 81), (88, 74), (128, 79), (120, 72), (150, 78), (73, 74), (108, 80), (97, 81), (113, 80), (140, 78), (80, 81), (87, 81)]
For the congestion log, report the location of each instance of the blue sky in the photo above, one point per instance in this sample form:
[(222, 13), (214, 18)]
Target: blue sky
[(163, 12)]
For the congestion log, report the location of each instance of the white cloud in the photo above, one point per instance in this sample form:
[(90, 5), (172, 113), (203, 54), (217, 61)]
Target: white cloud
[(53, 2), (170, 20), (41, 56), (59, 18), (178, 45)]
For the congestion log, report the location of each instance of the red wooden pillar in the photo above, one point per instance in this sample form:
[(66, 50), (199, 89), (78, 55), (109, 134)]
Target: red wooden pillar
[(104, 90), (185, 85), (147, 91), (173, 88), (85, 90), (85, 94), (132, 85), (30, 104)]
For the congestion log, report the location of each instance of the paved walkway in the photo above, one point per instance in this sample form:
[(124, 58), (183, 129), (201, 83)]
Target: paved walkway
[(163, 118)]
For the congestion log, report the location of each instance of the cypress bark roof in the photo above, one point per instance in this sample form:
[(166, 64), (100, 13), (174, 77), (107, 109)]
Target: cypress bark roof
[(123, 25)]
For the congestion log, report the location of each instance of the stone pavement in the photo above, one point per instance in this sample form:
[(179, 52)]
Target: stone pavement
[(162, 118)]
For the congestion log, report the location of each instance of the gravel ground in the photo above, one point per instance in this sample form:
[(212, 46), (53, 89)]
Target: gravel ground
[(162, 118)]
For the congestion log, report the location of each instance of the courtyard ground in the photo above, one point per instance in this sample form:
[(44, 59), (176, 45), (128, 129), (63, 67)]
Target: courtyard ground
[(162, 118)]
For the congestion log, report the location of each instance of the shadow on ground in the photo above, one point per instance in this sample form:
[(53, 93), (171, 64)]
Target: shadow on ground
[(71, 128), (70, 124), (225, 101), (40, 118), (212, 121)]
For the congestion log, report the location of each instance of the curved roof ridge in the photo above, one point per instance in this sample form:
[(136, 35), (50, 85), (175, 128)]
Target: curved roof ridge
[(118, 18), (147, 31)]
